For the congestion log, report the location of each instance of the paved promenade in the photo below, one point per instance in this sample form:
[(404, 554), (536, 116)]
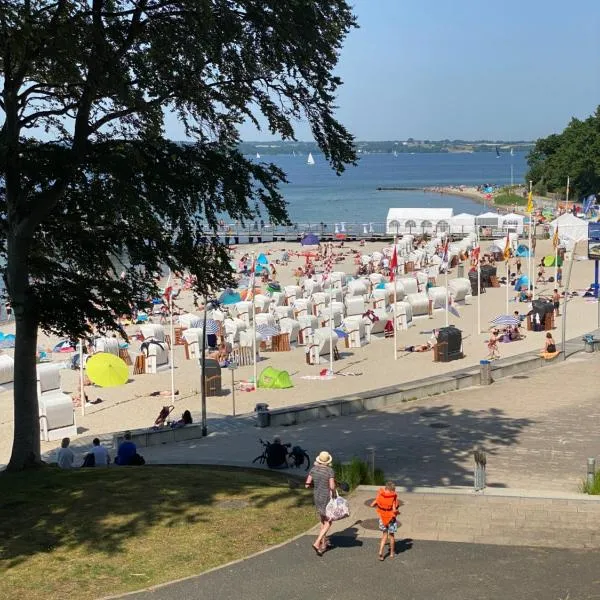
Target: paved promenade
[(538, 431)]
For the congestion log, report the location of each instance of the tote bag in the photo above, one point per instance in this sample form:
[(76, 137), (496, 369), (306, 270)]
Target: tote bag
[(337, 508)]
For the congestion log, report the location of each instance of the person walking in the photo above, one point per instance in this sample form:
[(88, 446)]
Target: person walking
[(322, 479), (556, 302), (386, 504)]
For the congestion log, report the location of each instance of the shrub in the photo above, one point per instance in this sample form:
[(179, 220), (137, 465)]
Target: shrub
[(594, 488), (357, 472)]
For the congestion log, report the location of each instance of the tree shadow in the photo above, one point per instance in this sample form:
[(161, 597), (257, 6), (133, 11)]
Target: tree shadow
[(418, 446), (101, 509)]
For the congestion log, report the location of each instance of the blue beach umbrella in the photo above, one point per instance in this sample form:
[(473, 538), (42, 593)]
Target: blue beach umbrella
[(212, 327), (267, 331), (505, 320)]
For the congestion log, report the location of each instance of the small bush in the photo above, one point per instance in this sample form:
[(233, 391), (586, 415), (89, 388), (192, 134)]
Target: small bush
[(357, 472), (594, 488)]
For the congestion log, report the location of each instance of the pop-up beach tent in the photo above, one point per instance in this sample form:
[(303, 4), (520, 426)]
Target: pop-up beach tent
[(549, 260), (273, 379), (262, 262), (522, 251), (310, 239), (522, 282)]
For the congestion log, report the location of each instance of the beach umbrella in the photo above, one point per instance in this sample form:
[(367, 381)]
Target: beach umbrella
[(505, 320), (310, 239), (212, 327), (64, 346), (267, 331), (107, 370), (341, 333), (229, 297)]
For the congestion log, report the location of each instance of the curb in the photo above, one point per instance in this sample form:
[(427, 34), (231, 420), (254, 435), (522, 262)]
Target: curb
[(490, 492)]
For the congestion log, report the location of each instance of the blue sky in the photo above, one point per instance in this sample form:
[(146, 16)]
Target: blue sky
[(470, 69)]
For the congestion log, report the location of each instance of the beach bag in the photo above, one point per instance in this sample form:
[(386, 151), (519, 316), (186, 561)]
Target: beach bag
[(337, 508)]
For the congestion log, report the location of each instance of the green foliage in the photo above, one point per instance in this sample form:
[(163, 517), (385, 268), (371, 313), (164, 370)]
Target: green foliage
[(594, 488), (357, 472), (93, 198), (507, 198), (574, 153)]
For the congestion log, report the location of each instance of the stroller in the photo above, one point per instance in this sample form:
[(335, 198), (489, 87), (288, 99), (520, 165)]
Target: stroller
[(164, 413)]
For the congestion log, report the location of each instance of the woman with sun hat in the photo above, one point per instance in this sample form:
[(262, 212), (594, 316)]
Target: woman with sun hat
[(322, 479)]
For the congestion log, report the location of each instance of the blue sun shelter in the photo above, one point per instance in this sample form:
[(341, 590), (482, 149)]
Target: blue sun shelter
[(310, 239), (522, 251), (522, 282)]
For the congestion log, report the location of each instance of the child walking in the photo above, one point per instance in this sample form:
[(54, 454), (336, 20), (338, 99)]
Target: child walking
[(386, 504)]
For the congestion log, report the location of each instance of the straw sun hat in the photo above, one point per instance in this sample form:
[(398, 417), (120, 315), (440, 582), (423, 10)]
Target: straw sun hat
[(324, 459)]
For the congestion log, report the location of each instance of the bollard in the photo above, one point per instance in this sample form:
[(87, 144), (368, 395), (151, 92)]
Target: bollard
[(591, 470), (371, 449), (479, 473), (485, 372)]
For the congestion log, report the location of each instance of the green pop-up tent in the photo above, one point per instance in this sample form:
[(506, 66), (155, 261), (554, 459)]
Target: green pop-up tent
[(274, 379), (549, 260)]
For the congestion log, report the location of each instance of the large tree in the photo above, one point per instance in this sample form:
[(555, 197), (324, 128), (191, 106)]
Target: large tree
[(90, 187), (574, 153)]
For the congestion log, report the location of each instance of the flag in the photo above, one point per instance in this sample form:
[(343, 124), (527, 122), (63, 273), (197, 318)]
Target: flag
[(555, 238), (530, 202), (587, 203), (251, 280), (507, 248), (445, 256), (328, 266), (393, 264)]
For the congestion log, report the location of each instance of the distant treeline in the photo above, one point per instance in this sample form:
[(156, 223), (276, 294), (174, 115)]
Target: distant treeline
[(390, 146)]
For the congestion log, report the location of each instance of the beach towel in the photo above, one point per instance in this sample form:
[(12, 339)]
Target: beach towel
[(549, 355)]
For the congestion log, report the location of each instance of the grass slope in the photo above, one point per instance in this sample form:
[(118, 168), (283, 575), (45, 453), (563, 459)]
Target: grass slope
[(88, 533)]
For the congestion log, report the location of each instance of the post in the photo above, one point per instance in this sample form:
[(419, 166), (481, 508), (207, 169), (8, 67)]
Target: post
[(567, 198), (479, 290), (232, 366), (395, 317), (371, 449), (556, 266), (564, 307), (203, 370), (81, 392), (591, 471)]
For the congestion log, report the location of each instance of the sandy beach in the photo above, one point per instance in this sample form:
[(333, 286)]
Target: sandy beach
[(359, 369)]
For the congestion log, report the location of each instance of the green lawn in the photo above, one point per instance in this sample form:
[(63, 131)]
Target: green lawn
[(509, 199), (88, 533)]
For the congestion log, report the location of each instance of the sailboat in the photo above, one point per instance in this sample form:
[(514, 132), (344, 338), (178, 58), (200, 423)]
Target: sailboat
[(512, 151), (310, 160), (395, 153), (257, 155), (497, 152)]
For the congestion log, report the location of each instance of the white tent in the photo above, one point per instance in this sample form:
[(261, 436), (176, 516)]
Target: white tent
[(488, 219), (462, 223), (512, 222), (418, 220), (570, 228)]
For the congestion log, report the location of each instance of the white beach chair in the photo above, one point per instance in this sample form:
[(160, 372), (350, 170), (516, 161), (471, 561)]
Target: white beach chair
[(291, 327), (57, 415)]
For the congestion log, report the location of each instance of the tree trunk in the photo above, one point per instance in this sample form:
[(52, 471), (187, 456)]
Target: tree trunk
[(26, 441)]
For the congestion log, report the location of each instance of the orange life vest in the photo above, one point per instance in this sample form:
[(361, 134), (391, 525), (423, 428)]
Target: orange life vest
[(386, 505)]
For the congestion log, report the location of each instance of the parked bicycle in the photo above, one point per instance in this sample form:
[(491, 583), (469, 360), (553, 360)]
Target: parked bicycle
[(281, 456)]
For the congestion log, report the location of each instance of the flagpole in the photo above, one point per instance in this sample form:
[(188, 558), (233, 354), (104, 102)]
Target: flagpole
[(567, 200), (507, 282), (331, 328), (171, 330), (394, 313), (478, 288), (253, 283), (446, 284), (531, 278), (82, 394)]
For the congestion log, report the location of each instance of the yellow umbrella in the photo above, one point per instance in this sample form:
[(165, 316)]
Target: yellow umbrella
[(107, 370)]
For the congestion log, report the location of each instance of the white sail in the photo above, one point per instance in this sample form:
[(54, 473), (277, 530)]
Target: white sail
[(257, 155), (395, 153), (310, 160)]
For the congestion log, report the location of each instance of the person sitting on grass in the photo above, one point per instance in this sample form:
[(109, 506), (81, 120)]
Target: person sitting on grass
[(277, 454), (127, 452), (65, 456)]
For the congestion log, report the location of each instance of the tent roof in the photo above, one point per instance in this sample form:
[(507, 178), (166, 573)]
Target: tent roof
[(488, 215), (420, 213), (514, 217), (571, 227), (464, 216)]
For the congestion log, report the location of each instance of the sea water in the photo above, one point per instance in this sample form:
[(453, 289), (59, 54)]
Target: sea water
[(316, 194)]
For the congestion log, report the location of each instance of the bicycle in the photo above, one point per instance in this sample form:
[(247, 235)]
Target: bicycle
[(294, 458)]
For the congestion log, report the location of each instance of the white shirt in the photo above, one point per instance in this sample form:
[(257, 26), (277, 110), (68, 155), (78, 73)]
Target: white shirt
[(65, 458), (100, 455)]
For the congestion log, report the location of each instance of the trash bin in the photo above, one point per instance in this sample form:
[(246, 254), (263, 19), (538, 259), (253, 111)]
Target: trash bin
[(588, 343), (485, 372), (460, 270), (263, 418)]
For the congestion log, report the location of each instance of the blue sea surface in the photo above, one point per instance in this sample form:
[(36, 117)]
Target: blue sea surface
[(315, 193)]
